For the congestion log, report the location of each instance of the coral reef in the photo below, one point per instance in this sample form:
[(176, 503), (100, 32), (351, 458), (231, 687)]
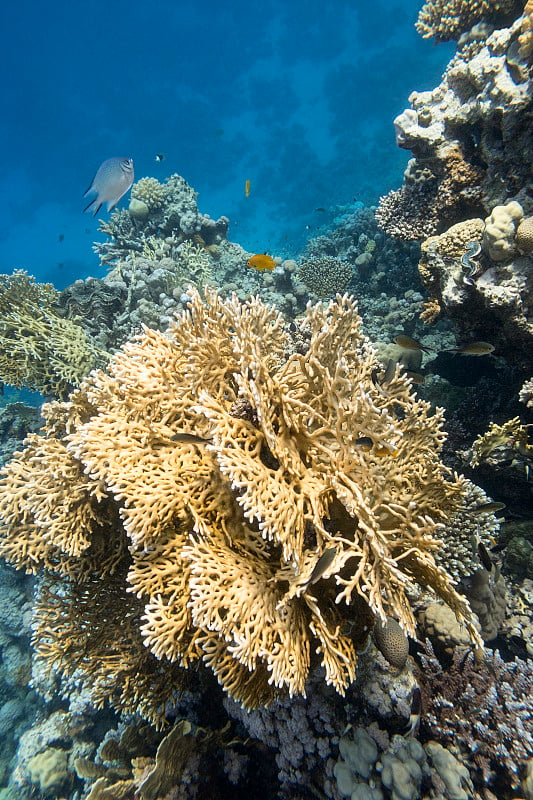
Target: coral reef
[(39, 349), (473, 156), (158, 211), (209, 488)]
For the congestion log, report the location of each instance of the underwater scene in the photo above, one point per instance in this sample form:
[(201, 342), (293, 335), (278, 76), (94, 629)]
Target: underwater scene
[(266, 400)]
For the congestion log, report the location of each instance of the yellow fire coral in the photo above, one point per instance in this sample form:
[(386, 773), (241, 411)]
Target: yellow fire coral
[(38, 348), (224, 468)]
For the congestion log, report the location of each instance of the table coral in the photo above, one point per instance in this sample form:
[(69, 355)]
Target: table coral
[(208, 471)]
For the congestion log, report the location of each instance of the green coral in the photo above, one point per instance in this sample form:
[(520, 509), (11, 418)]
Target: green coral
[(39, 349)]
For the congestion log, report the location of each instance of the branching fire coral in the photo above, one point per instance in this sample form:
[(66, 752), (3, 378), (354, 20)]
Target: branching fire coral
[(38, 348), (226, 472)]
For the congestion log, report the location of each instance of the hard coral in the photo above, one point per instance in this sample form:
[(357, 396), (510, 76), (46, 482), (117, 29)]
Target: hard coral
[(447, 19), (223, 480), (150, 192), (38, 348), (524, 236), (325, 275), (485, 710)]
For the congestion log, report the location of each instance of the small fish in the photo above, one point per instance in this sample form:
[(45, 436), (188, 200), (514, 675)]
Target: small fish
[(484, 556), (408, 343), (261, 261), (488, 508), (159, 157), (416, 711), (364, 443), (390, 369), (247, 187), (385, 450), (189, 438), (112, 180), (498, 548), (322, 210), (416, 377), (325, 561), (472, 349), (388, 373), (61, 237)]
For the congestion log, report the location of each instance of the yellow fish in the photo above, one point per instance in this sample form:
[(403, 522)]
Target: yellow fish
[(261, 261), (383, 450), (247, 187)]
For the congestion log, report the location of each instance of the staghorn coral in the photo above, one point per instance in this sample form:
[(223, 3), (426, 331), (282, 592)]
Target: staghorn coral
[(40, 349), (447, 19), (217, 471), (485, 710)]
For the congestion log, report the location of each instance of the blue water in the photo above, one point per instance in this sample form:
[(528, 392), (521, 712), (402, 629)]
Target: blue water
[(298, 101)]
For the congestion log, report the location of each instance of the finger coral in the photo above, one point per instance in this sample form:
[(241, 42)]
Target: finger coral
[(38, 348), (245, 525)]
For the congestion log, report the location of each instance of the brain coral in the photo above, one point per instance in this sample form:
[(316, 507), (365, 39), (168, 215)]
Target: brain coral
[(207, 495)]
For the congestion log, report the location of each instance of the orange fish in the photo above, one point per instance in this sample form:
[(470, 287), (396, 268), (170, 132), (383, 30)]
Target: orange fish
[(385, 450), (261, 261), (247, 187)]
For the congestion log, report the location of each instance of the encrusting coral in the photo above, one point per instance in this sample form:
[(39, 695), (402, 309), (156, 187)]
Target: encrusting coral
[(214, 483), (39, 349)]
